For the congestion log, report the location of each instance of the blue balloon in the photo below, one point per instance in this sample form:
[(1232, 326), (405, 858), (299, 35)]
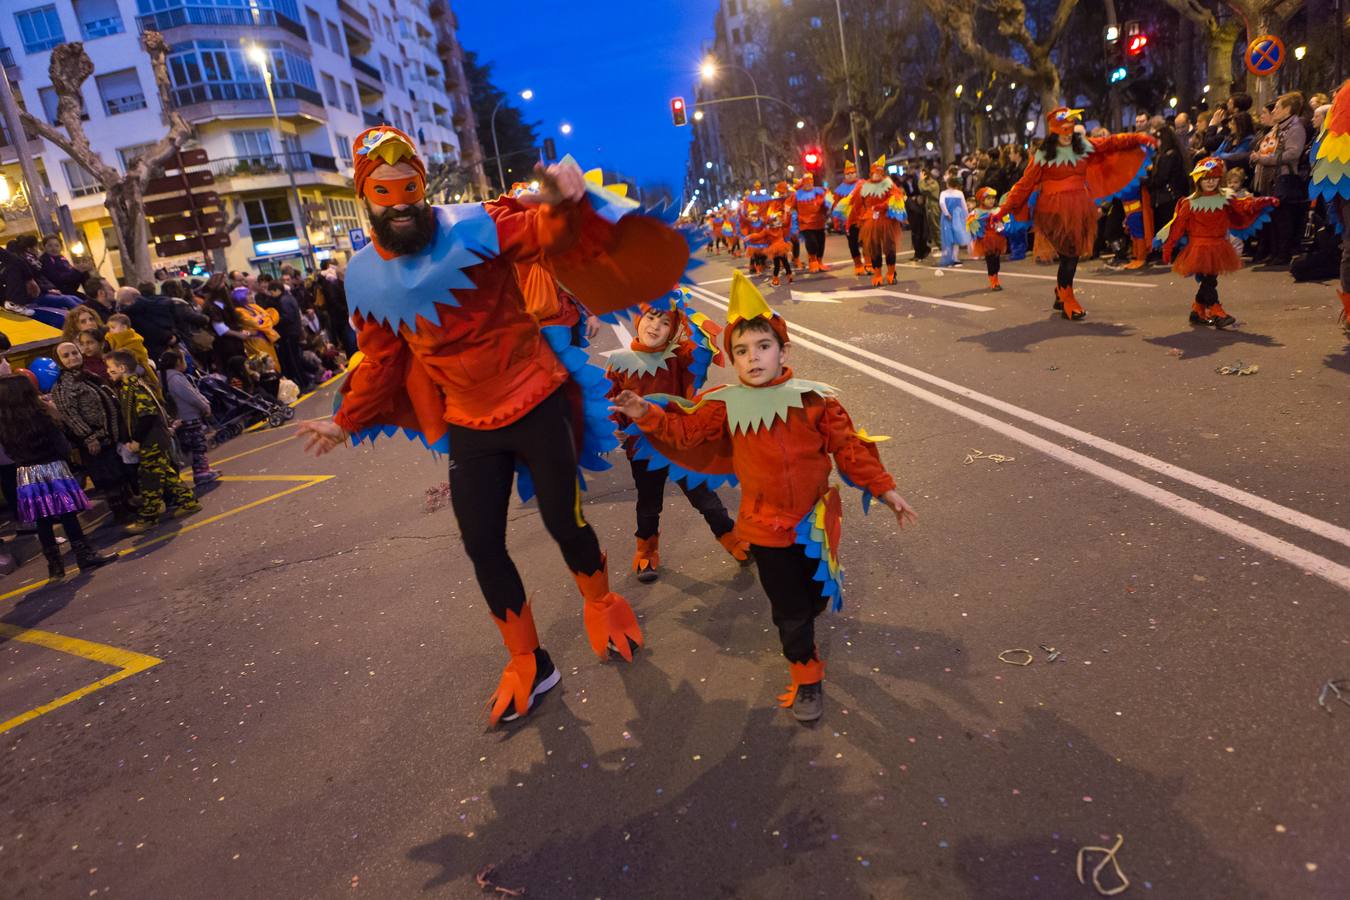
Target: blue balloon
[(46, 371)]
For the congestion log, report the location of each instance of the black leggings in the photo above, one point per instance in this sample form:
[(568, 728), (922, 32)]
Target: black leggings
[(991, 263), (784, 262), (815, 242), (1068, 265), (1208, 294), (889, 253), (796, 249), (794, 597), (482, 468), (46, 529), (651, 494), (854, 248)]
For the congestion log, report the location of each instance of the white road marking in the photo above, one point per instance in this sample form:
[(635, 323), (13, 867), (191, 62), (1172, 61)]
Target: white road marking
[(882, 292), (1306, 560), (1006, 274)]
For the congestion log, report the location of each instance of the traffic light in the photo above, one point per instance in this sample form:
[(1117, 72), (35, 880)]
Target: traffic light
[(1136, 39), (812, 158), (1119, 74), (677, 111)]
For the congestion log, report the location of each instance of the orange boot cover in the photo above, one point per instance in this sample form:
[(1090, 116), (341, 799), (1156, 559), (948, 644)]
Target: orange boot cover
[(607, 616), (816, 265), (1215, 311), (1139, 253), (647, 555), (876, 278), (890, 274), (521, 640), (993, 282), (1345, 313), (1199, 309), (738, 548), (812, 672), (858, 266), (1072, 309)]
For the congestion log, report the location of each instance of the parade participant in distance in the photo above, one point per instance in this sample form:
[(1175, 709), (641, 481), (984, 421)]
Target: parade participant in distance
[(1331, 182), (775, 237), (986, 233), (670, 356), (877, 207), (809, 203), (1200, 230), (776, 434), (1072, 173), (451, 356), (839, 214)]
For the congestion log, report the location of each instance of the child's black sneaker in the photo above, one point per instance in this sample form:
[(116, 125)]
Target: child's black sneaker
[(808, 705), (546, 676)]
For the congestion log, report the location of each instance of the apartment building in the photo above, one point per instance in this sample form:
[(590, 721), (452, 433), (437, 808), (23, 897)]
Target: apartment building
[(336, 67)]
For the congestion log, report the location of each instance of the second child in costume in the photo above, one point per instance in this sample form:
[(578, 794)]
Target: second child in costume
[(669, 356), (780, 437), (810, 209), (776, 239), (1201, 228), (1331, 182), (840, 199), (877, 207), (1070, 174), (986, 232), (452, 357)]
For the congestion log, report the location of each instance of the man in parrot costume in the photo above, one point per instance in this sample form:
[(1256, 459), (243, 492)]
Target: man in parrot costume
[(1330, 182), (781, 438), (451, 356), (810, 205), (839, 214), (877, 207)]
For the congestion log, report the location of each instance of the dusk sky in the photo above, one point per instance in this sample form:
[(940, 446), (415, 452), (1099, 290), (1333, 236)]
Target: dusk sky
[(609, 69)]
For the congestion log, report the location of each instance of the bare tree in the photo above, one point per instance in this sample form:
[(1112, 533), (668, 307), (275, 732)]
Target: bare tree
[(958, 17), (1258, 16), (123, 194)]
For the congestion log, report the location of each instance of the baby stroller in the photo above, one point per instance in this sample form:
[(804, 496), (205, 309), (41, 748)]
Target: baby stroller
[(233, 410)]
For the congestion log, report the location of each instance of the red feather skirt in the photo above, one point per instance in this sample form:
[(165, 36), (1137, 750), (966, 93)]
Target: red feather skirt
[(1206, 256), (992, 242), (879, 236), (1066, 224)]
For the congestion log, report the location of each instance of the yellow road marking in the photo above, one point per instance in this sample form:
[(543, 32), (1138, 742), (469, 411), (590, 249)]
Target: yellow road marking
[(254, 450), (127, 662), (306, 481)]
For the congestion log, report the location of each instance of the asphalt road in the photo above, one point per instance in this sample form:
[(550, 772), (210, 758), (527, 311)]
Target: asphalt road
[(303, 667)]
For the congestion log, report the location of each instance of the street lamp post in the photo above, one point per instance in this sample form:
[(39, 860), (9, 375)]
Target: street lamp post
[(848, 82), (709, 70), (526, 94), (259, 57)]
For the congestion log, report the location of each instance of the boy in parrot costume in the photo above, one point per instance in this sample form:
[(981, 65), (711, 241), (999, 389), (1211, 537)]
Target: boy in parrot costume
[(986, 232), (451, 356), (670, 355), (1200, 230), (1331, 182), (839, 200), (810, 204), (775, 238), (877, 207), (780, 437), (1069, 174)]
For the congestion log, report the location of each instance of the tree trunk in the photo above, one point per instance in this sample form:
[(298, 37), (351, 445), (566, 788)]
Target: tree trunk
[(946, 110), (1219, 61)]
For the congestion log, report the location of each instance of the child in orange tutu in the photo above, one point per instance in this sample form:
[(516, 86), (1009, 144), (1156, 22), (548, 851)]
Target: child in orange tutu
[(1203, 222), (986, 232), (774, 238)]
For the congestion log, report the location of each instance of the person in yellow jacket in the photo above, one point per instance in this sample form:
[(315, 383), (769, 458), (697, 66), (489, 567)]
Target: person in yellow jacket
[(121, 336)]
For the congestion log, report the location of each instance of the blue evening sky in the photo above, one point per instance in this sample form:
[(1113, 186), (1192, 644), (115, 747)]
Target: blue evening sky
[(608, 68)]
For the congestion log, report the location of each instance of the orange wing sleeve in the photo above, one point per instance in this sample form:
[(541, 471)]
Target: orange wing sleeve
[(372, 391), (1022, 191), (683, 430), (856, 458)]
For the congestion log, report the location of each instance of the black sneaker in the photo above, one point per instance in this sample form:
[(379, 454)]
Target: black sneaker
[(1197, 319), (546, 675), (807, 705), (1058, 304)]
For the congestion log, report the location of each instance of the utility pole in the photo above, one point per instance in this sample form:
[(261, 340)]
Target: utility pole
[(37, 199), (848, 82)]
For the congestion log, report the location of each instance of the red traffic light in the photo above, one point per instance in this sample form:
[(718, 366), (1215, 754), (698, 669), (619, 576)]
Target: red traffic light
[(1137, 44), (812, 158), (678, 114)]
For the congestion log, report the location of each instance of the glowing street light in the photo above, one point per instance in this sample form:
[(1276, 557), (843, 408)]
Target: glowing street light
[(5, 190), (912, 135), (527, 94), (800, 124), (1172, 103), (960, 88), (708, 70), (1300, 52), (565, 128), (1205, 89), (989, 107), (929, 145), (708, 164), (1031, 125), (701, 181)]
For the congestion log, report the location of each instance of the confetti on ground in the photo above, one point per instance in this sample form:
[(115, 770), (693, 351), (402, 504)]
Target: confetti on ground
[(1336, 687), (1109, 857), (994, 457), (438, 497), (485, 881), (1238, 368)]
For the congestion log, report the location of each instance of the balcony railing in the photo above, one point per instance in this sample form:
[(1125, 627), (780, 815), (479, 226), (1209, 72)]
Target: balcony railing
[(373, 119), (118, 105), (222, 15), (97, 28), (243, 90), (272, 164), (6, 57), (366, 69)]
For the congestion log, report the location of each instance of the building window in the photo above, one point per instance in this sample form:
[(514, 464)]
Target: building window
[(98, 18), (269, 219), (218, 70), (349, 99), (335, 42), (731, 7), (314, 25), (344, 148), (736, 36), (39, 28), (398, 78), (384, 67), (127, 156), (253, 147), (342, 213), (82, 184), (48, 97), (330, 93), (121, 92)]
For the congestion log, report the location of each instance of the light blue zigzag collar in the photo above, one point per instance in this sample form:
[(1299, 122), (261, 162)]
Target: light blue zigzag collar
[(635, 362), (1065, 156), (752, 408), (397, 291)]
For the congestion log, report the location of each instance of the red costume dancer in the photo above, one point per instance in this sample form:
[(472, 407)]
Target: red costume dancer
[(776, 434), (785, 197), (1330, 182), (840, 196), (877, 206), (716, 238), (452, 356), (669, 356), (1070, 174), (1201, 228), (776, 239), (810, 204), (754, 216), (986, 232)]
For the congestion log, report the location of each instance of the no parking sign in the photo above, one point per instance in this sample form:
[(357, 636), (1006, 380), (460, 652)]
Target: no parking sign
[(1265, 55)]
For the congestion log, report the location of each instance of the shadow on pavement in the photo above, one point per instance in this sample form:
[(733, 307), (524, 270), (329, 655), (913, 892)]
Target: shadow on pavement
[(1201, 341), (1339, 362), (1020, 338)]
